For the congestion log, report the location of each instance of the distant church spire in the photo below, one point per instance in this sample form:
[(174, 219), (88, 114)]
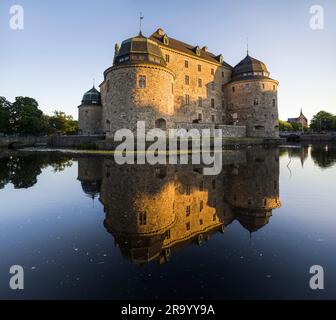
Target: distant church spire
[(301, 114), (93, 82)]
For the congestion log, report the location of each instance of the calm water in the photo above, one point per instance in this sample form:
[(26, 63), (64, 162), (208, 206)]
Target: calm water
[(87, 228)]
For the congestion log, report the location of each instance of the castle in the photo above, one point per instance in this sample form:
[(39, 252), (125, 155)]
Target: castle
[(170, 84)]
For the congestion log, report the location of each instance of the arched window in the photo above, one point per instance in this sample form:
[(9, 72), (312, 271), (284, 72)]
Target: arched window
[(142, 218), (142, 82), (161, 124)]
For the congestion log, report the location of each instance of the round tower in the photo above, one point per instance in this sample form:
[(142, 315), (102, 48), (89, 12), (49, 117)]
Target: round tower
[(90, 113), (252, 99), (138, 87)]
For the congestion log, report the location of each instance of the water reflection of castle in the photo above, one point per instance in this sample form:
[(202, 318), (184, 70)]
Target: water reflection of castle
[(151, 210)]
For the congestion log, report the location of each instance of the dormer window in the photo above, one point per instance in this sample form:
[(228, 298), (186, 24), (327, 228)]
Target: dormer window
[(220, 59), (166, 40), (198, 51)]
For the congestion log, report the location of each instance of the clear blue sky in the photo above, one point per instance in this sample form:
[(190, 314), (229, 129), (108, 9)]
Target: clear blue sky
[(65, 44)]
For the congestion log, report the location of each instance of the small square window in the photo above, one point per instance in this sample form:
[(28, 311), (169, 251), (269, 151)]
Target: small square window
[(186, 64), (187, 80), (188, 226), (212, 72), (199, 67), (167, 58), (212, 103), (233, 89)]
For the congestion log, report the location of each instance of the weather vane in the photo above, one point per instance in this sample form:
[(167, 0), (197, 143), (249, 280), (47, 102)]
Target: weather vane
[(141, 18)]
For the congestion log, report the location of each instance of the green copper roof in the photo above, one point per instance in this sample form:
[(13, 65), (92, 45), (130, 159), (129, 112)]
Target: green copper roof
[(92, 97), (139, 49), (249, 67)]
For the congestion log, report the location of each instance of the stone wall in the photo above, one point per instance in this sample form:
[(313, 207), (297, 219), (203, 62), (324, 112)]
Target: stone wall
[(72, 141), (229, 131), (17, 142), (254, 103)]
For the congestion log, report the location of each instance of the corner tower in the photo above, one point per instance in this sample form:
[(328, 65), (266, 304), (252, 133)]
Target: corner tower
[(90, 113), (252, 99), (138, 87)]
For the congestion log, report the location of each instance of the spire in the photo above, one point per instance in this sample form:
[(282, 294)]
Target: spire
[(140, 23), (247, 46), (301, 114), (93, 82)]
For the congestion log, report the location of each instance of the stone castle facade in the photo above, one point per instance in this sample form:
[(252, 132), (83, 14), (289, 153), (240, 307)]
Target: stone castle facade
[(170, 84)]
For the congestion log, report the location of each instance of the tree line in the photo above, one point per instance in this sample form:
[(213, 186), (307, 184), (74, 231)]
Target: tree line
[(23, 117), (322, 121)]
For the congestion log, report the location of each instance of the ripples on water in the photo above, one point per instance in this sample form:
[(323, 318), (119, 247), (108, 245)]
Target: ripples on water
[(84, 227)]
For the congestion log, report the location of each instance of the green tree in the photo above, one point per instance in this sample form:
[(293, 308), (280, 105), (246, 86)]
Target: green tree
[(323, 121), (5, 125), (26, 117), (59, 122), (285, 126)]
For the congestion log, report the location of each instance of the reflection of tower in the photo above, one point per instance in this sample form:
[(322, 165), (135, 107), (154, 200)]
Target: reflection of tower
[(152, 210), (139, 203), (90, 175), (252, 189)]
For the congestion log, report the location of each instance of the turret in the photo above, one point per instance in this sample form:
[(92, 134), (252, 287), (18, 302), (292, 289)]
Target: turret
[(90, 113), (252, 99)]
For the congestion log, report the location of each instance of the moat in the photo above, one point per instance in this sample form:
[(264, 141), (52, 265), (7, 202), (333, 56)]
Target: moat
[(83, 227)]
